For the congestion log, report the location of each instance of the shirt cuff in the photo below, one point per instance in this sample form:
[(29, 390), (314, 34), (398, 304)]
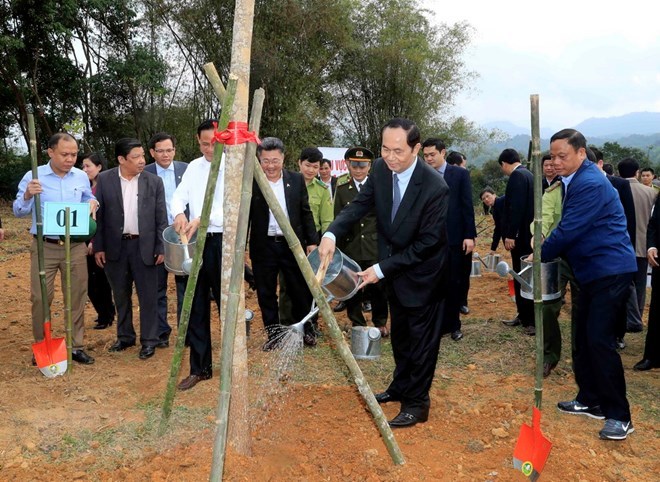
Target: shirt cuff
[(329, 235), (378, 271), (649, 250)]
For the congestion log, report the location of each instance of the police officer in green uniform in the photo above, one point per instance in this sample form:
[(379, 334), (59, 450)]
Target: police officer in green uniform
[(320, 204), (361, 243)]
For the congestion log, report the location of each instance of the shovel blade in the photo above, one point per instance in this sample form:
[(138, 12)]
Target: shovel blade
[(50, 354), (532, 449)]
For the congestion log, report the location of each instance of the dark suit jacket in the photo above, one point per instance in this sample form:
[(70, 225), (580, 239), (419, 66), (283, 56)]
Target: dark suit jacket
[(297, 206), (653, 229), (412, 249), (152, 215), (498, 218), (519, 206), (460, 216), (625, 195)]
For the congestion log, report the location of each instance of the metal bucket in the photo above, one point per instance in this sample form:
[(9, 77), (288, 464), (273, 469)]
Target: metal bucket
[(491, 260), (174, 250), (365, 342), (549, 280), (341, 280), (475, 271)]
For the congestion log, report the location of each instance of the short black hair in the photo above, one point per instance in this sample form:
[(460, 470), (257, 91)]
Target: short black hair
[(326, 161), (439, 144), (597, 152), (125, 145), (56, 138), (508, 156), (160, 137), (546, 157), (311, 155), (648, 169), (455, 158), (628, 167), (573, 137), (413, 135), (608, 168), (205, 126)]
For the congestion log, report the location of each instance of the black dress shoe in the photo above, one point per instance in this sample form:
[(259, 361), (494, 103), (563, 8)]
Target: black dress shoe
[(102, 325), (405, 419), (192, 380), (529, 330), (81, 357), (366, 306), (147, 351), (385, 397), (645, 364), (465, 310), (514, 322), (457, 335), (120, 346), (162, 343), (309, 340), (547, 369), (341, 306)]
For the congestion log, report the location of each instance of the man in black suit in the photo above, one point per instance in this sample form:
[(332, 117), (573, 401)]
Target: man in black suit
[(269, 251), (162, 147), (411, 201), (460, 230), (129, 244), (518, 216)]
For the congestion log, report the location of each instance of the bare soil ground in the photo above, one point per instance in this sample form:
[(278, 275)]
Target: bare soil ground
[(311, 424)]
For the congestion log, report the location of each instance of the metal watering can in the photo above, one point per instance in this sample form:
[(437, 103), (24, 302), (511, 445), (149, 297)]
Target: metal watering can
[(549, 278)]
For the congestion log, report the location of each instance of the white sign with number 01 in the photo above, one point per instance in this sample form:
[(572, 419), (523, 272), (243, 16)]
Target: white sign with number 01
[(54, 218)]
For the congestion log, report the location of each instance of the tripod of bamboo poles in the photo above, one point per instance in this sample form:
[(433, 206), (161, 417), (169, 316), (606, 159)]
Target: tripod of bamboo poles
[(197, 260)]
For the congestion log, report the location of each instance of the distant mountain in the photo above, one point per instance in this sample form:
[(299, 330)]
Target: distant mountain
[(640, 123), (515, 130)]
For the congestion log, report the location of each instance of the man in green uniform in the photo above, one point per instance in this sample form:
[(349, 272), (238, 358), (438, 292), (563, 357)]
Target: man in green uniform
[(361, 243)]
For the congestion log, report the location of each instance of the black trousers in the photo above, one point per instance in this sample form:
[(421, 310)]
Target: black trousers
[(375, 293), (652, 346), (416, 334), (467, 269), (99, 292), (278, 257), (164, 328), (455, 290), (122, 273), (198, 337), (525, 306), (597, 364)]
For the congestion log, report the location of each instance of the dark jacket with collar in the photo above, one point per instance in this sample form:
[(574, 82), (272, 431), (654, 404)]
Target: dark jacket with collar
[(361, 241), (412, 248), (297, 207), (460, 214)]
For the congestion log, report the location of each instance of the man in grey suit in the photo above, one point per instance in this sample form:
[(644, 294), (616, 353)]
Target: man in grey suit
[(129, 244), (162, 147)]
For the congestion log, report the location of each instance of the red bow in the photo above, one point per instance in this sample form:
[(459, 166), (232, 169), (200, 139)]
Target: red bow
[(235, 133)]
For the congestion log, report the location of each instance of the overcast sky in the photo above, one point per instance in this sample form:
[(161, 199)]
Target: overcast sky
[(584, 58)]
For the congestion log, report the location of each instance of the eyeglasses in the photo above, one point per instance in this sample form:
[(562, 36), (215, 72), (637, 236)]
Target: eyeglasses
[(271, 162), (359, 164), (164, 151)]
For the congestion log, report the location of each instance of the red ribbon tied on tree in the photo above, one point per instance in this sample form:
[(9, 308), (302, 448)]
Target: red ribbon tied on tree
[(235, 133)]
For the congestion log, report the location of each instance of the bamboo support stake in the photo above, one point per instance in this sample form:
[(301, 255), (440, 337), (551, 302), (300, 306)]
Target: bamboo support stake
[(197, 262), (535, 149), (328, 316), (39, 222), (234, 302), (214, 79), (67, 291)]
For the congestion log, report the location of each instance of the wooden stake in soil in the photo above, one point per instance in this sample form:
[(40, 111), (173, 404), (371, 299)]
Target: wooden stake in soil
[(197, 262)]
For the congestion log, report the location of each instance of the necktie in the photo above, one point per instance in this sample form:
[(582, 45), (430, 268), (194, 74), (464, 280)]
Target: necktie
[(396, 195), (359, 186)]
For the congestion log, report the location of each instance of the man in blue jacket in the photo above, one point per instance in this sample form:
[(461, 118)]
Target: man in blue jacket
[(592, 236)]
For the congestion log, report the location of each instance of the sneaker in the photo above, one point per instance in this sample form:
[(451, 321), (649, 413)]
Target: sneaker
[(576, 408), (616, 430)]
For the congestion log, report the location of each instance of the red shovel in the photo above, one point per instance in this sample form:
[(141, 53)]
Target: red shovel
[(50, 353), (532, 449)]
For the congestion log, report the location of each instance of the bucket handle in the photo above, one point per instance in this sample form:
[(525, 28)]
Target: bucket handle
[(323, 267)]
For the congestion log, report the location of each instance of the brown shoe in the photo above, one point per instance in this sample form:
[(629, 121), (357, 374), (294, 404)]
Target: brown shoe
[(192, 380), (547, 369), (529, 330)]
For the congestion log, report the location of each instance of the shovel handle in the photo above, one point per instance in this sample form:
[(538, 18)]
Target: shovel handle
[(184, 237), (323, 267)]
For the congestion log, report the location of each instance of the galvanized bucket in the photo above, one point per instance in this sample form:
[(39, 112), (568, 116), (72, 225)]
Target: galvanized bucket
[(174, 251), (365, 342), (341, 280), (491, 260), (549, 280)]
